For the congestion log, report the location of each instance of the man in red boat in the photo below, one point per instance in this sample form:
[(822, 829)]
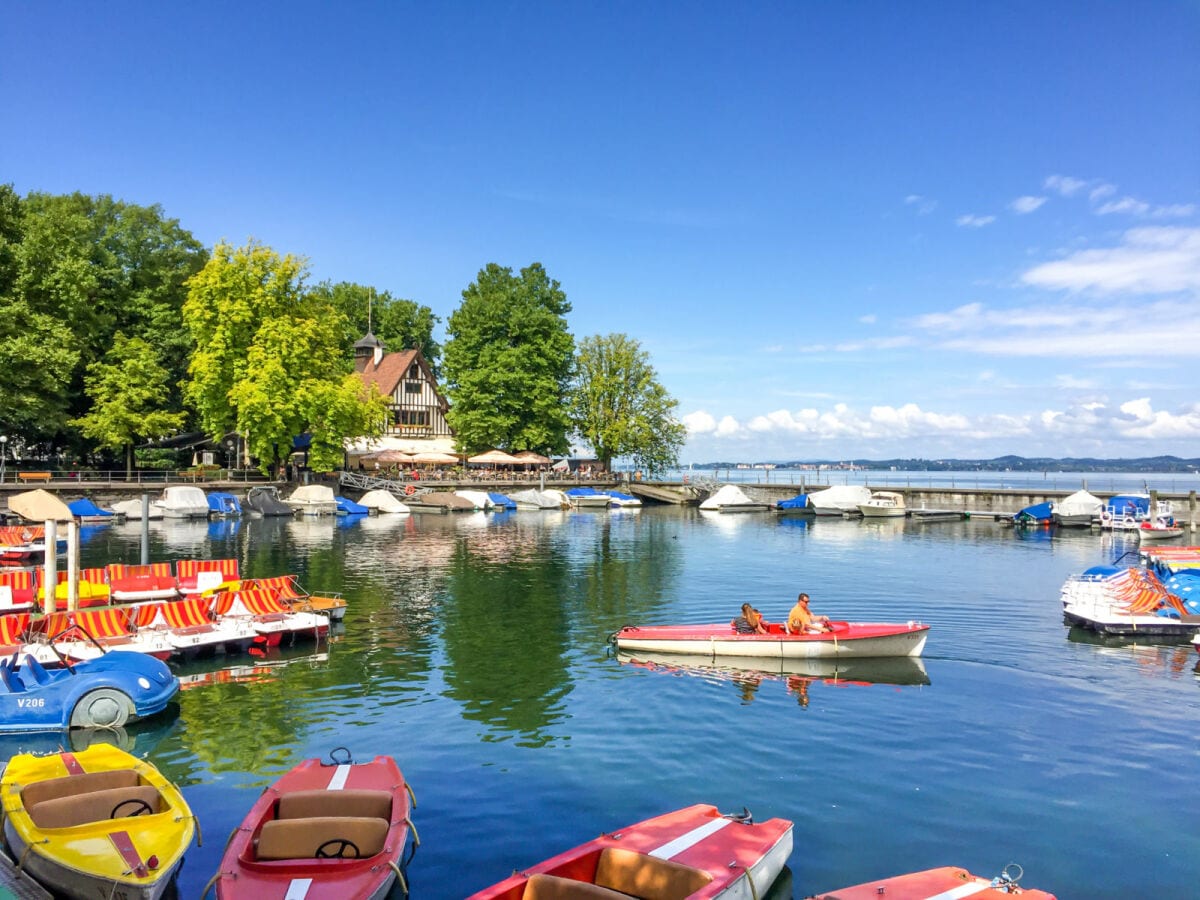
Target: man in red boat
[(801, 621)]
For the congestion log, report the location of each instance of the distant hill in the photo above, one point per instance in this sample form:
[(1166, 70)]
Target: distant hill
[(999, 464)]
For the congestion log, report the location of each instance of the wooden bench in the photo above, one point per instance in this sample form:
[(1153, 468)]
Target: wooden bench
[(358, 837), (33, 476)]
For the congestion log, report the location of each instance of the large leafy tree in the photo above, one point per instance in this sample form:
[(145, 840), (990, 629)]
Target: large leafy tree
[(508, 362), (399, 324), (79, 269), (620, 408), (128, 388), (269, 361)]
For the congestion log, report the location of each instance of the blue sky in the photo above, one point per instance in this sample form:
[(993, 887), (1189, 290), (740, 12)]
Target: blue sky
[(839, 229)]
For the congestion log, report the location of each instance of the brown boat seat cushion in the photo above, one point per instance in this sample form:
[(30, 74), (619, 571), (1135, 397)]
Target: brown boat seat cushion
[(647, 877), (551, 887), (68, 785), (95, 806), (307, 804), (301, 838)]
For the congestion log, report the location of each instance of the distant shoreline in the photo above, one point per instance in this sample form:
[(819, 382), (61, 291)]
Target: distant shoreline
[(1160, 465)]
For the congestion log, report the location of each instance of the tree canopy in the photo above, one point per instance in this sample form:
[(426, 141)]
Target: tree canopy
[(399, 324), (129, 388), (269, 361), (508, 362), (619, 407), (74, 271)]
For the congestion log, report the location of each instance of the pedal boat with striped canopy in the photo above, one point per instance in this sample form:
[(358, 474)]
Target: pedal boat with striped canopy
[(95, 823), (326, 830), (275, 623), (946, 882), (695, 853), (192, 628), (1126, 601), (846, 639)]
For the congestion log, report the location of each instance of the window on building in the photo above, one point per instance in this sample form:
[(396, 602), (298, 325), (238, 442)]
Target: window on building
[(410, 418), (412, 387), (414, 371)]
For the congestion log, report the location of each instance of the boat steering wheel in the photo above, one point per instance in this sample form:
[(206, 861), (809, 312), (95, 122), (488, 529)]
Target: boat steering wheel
[(337, 849), (140, 808)]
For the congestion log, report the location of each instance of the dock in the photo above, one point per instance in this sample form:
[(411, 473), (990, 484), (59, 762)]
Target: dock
[(16, 884)]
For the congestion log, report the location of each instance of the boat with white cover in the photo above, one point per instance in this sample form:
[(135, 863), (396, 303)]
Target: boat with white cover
[(383, 502), (533, 499), (313, 500), (131, 510), (730, 498), (1078, 510), (839, 500), (182, 501)]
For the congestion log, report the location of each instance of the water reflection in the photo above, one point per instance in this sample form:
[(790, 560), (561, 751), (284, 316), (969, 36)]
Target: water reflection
[(1156, 655), (749, 673), (138, 738)]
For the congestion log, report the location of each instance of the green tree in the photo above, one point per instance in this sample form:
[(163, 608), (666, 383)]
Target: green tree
[(129, 389), (508, 362), (269, 361), (87, 268), (399, 324), (619, 407)]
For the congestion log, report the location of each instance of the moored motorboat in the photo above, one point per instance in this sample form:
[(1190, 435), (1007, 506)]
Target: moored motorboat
[(694, 852), (1079, 509), (313, 500), (884, 505), (324, 831), (223, 505), (1037, 515), (86, 512), (264, 499), (132, 510), (622, 500), (383, 502), (945, 883), (730, 498), (795, 506), (95, 823), (1163, 528), (588, 498), (846, 639), (182, 501), (839, 500), (348, 507)]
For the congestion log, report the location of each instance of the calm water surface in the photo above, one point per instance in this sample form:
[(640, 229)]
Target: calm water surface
[(474, 651)]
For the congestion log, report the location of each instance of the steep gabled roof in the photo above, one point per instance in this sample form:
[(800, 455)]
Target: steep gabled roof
[(386, 376)]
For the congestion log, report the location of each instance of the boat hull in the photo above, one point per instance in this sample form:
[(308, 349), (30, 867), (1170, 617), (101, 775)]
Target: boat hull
[(734, 859), (848, 639), (945, 882), (124, 857), (244, 874), (881, 512)]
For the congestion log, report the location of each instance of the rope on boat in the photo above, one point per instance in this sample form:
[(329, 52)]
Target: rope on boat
[(399, 877), (413, 829), (411, 795), (211, 882), (199, 835)]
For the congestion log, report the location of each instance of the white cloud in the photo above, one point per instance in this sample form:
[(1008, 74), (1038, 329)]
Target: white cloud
[(1124, 205), (1027, 204), (1102, 190), (1064, 184), (868, 319), (699, 422), (1149, 260), (924, 205), (1074, 382), (885, 427), (970, 220), (1174, 211)]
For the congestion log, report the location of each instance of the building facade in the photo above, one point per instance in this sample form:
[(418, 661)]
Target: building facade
[(416, 409)]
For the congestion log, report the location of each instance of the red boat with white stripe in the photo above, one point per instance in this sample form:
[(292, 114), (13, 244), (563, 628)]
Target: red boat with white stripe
[(695, 853), (945, 883), (846, 639), (324, 831)]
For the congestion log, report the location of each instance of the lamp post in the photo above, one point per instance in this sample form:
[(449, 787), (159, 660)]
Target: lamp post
[(3, 454)]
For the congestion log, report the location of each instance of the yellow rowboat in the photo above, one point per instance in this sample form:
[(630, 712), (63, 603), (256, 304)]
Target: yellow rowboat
[(95, 823)]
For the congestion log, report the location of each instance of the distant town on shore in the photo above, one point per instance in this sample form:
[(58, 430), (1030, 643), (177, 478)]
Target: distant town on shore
[(999, 464)]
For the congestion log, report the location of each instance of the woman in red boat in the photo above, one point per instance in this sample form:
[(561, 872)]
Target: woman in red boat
[(801, 621), (749, 622)]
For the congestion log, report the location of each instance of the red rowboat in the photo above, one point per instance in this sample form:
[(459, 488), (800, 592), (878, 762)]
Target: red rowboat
[(324, 831), (847, 639), (693, 852), (946, 882)]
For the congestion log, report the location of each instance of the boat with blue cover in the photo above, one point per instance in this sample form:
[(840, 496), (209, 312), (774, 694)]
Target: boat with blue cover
[(624, 501), (501, 501), (347, 507), (88, 513), (1035, 516), (223, 505), (795, 506), (587, 498)]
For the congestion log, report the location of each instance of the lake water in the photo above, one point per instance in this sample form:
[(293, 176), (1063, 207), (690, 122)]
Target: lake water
[(475, 651)]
